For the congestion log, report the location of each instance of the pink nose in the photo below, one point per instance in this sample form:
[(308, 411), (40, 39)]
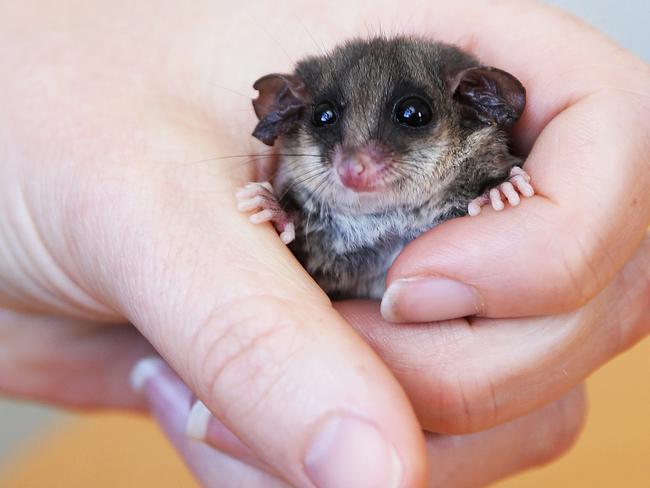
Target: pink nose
[(359, 171)]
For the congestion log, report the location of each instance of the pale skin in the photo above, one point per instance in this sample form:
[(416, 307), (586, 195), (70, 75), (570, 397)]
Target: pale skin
[(113, 210)]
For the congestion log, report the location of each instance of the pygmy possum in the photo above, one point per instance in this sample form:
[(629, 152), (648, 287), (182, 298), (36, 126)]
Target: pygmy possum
[(377, 142)]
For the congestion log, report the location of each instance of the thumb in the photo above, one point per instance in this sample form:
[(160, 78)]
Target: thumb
[(554, 252), (228, 307)]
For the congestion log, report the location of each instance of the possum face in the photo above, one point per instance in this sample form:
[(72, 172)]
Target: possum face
[(381, 123)]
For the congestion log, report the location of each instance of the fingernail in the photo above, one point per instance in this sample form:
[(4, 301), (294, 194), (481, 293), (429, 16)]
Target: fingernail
[(204, 427), (347, 451), (143, 371), (197, 422), (429, 299)]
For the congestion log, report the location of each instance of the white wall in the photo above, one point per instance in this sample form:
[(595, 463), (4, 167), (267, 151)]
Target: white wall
[(627, 21)]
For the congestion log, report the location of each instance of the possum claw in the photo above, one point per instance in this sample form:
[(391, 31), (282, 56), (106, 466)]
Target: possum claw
[(518, 183), (258, 197)]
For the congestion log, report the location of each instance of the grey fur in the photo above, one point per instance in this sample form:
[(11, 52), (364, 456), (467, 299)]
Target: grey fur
[(347, 240)]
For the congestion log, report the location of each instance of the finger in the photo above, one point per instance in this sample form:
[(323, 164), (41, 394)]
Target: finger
[(252, 204), (516, 171), (263, 216), (550, 254), (180, 413), (464, 376), (205, 427), (523, 186), (544, 45), (528, 441), (531, 440), (161, 244), (170, 402), (71, 363), (474, 207), (232, 312), (495, 199), (508, 190), (288, 233)]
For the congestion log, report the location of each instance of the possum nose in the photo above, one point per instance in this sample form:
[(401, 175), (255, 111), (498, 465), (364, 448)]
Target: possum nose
[(359, 171), (351, 169)]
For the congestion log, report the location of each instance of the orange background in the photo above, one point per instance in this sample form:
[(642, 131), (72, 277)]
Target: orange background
[(114, 450)]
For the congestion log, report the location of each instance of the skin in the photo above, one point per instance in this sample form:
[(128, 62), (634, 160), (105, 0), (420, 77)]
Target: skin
[(106, 217)]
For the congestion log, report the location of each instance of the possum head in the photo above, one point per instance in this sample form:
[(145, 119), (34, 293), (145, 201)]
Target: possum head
[(385, 122)]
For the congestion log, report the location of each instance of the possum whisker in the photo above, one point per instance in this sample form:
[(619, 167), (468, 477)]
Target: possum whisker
[(250, 157), (313, 196), (305, 178), (275, 41), (247, 97)]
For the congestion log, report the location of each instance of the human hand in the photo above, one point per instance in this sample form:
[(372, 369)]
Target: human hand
[(586, 129), (74, 363), (530, 440), (143, 237)]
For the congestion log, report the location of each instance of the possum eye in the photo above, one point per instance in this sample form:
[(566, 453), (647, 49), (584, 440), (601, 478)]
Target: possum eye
[(324, 114), (413, 112)]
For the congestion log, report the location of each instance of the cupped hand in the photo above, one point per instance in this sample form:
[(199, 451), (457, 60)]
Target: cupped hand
[(533, 277), (116, 207)]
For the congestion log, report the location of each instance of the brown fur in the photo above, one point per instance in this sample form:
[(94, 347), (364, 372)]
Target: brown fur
[(347, 239)]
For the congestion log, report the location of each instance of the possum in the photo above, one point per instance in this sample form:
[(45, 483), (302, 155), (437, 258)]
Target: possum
[(377, 142)]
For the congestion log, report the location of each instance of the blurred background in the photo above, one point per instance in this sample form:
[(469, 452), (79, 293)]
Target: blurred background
[(43, 447)]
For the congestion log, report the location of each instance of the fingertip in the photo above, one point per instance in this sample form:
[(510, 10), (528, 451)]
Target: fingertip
[(473, 209), (429, 299), (491, 255), (387, 306), (145, 369), (261, 217), (511, 195), (333, 372), (348, 451), (495, 199), (197, 421)]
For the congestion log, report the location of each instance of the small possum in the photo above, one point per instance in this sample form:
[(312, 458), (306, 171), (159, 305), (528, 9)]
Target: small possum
[(377, 142)]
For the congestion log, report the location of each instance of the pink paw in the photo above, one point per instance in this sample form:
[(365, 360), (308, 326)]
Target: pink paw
[(518, 182), (258, 197)]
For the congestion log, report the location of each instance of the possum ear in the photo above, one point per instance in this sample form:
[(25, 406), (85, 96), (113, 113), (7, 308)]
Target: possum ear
[(490, 95), (278, 106)]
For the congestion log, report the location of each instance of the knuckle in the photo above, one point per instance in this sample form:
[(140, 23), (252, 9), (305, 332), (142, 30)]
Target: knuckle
[(577, 271), (561, 431), (244, 348), (631, 311), (466, 403), (576, 281)]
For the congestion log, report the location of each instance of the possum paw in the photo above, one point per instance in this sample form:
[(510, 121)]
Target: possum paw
[(518, 183), (258, 197)]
